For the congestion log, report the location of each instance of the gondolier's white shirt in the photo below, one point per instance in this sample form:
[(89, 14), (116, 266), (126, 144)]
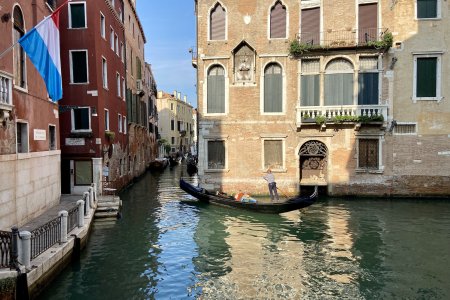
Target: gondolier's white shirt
[(269, 177)]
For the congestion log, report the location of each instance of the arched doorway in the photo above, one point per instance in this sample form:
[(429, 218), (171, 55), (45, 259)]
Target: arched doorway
[(313, 163)]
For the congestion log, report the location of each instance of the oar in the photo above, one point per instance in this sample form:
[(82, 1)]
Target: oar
[(283, 193)]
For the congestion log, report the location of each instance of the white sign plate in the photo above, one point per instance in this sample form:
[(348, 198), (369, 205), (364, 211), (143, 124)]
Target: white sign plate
[(40, 135), (75, 142)]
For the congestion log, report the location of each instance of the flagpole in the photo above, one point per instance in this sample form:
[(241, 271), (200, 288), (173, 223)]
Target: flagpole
[(13, 45)]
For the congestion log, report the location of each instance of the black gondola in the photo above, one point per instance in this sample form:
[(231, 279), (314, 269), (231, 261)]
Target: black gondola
[(270, 208)]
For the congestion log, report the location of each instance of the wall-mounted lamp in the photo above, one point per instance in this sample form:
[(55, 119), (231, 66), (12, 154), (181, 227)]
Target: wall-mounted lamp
[(6, 17), (393, 61)]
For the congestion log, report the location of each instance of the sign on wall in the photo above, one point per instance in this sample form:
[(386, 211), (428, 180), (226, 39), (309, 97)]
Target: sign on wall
[(40, 135), (75, 142)]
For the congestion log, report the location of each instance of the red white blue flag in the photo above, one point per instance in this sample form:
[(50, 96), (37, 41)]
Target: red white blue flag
[(42, 47)]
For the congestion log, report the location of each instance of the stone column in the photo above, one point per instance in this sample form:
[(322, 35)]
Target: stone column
[(25, 253), (91, 196), (80, 204), (86, 200), (63, 235), (97, 166)]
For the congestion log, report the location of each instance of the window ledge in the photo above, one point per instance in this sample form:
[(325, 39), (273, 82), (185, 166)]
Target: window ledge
[(217, 171), (21, 89), (275, 170), (378, 171), (438, 99), (6, 106)]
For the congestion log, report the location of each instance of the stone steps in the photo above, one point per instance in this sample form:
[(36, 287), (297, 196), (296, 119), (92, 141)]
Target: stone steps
[(108, 207)]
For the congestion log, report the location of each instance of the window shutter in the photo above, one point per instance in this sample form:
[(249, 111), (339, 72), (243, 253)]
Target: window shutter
[(216, 91), (426, 9), (273, 89), (79, 67), (310, 26), (368, 89), (278, 21), (368, 23), (217, 23), (310, 90), (426, 77), (77, 15)]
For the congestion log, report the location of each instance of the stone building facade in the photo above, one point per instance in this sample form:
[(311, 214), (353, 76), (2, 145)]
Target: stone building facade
[(346, 95), (29, 126), (175, 123)]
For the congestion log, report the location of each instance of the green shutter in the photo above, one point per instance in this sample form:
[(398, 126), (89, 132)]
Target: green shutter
[(79, 67), (77, 15), (426, 77), (426, 9)]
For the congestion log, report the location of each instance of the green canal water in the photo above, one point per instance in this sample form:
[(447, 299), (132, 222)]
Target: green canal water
[(167, 248)]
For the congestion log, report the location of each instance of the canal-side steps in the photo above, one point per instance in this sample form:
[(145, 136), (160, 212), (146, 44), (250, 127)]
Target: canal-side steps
[(108, 207)]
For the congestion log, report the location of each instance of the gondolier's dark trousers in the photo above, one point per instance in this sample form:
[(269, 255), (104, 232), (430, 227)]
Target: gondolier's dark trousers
[(273, 190)]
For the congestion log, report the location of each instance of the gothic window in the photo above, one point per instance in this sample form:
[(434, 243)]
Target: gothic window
[(217, 23), (278, 21), (19, 54)]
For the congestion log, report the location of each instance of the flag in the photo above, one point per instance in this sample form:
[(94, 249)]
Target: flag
[(42, 47)]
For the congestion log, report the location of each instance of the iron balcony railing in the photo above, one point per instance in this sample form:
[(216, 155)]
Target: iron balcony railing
[(194, 54), (342, 38), (5, 249), (5, 89)]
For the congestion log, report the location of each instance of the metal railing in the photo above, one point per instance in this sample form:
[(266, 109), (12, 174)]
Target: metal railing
[(5, 89), (342, 38), (5, 249), (45, 237), (72, 220)]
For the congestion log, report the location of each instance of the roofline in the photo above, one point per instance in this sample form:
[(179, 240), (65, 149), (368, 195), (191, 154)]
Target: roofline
[(139, 21)]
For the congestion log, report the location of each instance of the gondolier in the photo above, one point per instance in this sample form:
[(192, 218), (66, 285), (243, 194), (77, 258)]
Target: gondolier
[(270, 178)]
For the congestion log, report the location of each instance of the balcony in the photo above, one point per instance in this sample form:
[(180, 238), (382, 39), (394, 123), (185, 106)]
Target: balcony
[(5, 96), (194, 54), (378, 39), (357, 114)]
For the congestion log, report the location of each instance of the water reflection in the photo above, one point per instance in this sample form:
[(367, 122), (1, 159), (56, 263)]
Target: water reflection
[(165, 247)]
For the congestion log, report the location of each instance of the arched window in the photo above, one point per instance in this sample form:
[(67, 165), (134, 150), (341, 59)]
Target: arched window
[(278, 21), (273, 89), (339, 82), (217, 23), (216, 90), (19, 54)]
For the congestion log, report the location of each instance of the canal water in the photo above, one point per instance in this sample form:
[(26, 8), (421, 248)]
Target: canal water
[(166, 247)]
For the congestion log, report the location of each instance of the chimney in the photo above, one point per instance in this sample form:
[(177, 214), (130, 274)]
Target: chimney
[(179, 96), (185, 98), (160, 93), (175, 93)]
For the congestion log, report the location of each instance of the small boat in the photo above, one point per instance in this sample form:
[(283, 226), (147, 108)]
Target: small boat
[(191, 166), (229, 201), (158, 164)]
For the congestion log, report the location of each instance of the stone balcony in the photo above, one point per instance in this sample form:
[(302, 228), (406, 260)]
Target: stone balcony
[(319, 115)]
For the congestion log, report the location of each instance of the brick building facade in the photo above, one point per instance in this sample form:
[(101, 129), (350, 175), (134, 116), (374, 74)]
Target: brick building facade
[(347, 95)]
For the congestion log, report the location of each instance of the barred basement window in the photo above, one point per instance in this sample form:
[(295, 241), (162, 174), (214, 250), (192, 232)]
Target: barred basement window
[(368, 154), (216, 155), (405, 129)]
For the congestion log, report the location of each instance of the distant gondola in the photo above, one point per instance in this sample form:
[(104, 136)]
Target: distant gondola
[(270, 208)]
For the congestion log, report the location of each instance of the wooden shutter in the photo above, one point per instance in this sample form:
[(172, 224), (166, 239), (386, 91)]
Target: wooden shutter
[(278, 21), (310, 26), (217, 23), (368, 153), (77, 16), (426, 77), (426, 9), (368, 23)]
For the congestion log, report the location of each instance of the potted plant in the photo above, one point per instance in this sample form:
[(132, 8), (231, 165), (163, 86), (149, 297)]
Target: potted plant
[(110, 135)]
